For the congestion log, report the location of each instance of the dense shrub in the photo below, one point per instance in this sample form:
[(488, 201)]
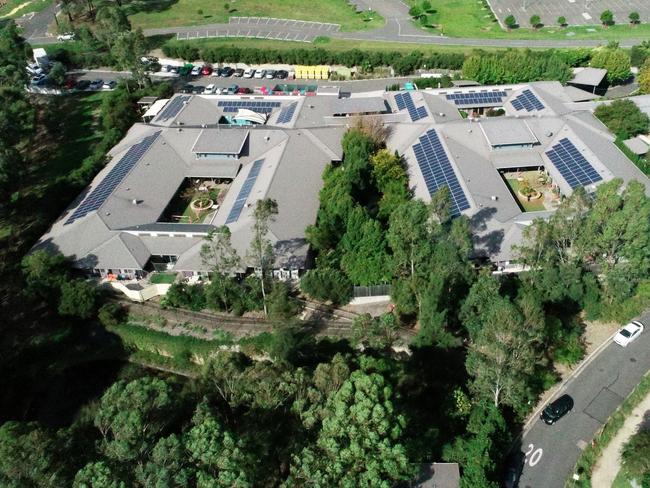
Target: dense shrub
[(327, 284), (623, 118), (515, 66), (182, 295), (403, 64)]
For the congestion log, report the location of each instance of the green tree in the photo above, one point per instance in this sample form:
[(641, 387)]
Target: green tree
[(11, 169), (27, 457), (426, 6), (635, 18), (510, 22), (13, 51), (78, 298), (615, 61), (218, 253), (415, 12), (327, 284), (476, 452), (131, 416), (223, 460), (128, 49), (561, 21), (261, 249), (111, 22), (111, 314), (97, 474), (535, 21), (44, 274), (364, 255), (644, 77), (375, 332), (607, 18), (280, 304), (57, 73), (360, 439), (623, 118)]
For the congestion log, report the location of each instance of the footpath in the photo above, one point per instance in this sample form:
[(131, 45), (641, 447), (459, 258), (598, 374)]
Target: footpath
[(609, 463)]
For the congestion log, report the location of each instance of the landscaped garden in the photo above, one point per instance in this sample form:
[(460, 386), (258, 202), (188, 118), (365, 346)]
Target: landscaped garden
[(195, 202), (532, 190), (165, 13)]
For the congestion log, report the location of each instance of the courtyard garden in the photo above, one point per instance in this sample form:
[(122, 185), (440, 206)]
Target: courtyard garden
[(533, 190), (195, 202)]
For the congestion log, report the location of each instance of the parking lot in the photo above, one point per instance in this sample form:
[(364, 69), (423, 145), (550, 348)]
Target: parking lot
[(576, 12)]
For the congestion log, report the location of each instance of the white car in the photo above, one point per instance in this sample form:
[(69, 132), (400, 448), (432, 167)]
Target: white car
[(260, 73), (249, 73), (66, 36), (196, 71), (270, 74), (34, 69), (628, 333), (209, 90)]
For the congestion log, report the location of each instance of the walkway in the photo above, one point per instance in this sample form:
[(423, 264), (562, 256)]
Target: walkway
[(609, 463)]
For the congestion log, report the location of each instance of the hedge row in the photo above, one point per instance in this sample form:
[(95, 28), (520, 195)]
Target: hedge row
[(402, 63)]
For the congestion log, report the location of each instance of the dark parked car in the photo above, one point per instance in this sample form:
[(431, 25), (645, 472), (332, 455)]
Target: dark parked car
[(226, 71), (513, 471), (82, 84), (187, 88), (281, 74), (198, 89), (238, 73), (556, 410)]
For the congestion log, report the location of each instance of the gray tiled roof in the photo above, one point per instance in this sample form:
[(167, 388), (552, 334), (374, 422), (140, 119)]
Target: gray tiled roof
[(118, 235), (220, 141)]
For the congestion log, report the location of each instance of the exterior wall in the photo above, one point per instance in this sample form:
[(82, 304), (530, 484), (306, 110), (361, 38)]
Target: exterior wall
[(143, 294)]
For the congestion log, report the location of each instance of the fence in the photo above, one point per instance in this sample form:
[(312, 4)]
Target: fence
[(371, 291)]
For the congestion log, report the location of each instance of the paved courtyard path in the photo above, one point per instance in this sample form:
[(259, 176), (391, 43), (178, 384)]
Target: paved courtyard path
[(609, 463)]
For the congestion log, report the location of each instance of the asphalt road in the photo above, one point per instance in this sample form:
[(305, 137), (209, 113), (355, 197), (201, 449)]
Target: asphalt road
[(552, 451)]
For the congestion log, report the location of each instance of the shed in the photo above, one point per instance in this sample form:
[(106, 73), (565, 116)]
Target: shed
[(154, 109), (592, 80)]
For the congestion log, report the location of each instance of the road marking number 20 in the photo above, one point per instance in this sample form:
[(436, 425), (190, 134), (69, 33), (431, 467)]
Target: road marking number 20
[(533, 456)]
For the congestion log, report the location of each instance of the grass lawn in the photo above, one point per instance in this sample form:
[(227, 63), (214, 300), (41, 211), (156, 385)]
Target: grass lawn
[(621, 481), (169, 13), (162, 278), (470, 18), (13, 9), (532, 206), (72, 131)]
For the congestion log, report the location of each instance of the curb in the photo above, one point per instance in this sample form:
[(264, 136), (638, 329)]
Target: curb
[(585, 362)]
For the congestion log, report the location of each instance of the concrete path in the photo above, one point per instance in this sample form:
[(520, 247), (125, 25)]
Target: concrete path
[(609, 463)]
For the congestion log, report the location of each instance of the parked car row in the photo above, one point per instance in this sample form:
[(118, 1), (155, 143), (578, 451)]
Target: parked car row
[(226, 72), (212, 89)]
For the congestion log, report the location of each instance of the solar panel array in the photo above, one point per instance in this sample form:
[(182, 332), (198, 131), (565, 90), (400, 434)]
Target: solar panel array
[(479, 98), (572, 165), (172, 109), (257, 106), (437, 170), (286, 114), (405, 101), (244, 192), (527, 101), (114, 177)]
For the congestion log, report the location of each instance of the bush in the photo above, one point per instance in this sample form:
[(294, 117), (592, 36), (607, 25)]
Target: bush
[(327, 284), (623, 118), (111, 315), (515, 67), (616, 61), (182, 295), (280, 304)]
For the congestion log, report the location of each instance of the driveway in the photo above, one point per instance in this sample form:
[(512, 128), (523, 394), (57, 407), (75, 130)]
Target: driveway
[(598, 390)]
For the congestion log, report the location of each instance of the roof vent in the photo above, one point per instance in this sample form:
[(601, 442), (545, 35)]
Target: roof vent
[(494, 198), (135, 201), (469, 131), (179, 130), (442, 114), (549, 134), (267, 138)]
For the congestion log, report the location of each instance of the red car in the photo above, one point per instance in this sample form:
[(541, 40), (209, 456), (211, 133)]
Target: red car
[(206, 71), (70, 83), (242, 90)]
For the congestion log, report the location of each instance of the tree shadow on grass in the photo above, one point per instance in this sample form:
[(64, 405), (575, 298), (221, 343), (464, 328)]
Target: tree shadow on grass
[(136, 6)]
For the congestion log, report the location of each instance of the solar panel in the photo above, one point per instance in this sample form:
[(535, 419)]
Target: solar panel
[(572, 165), (479, 98), (114, 177), (286, 114), (527, 101), (232, 106), (405, 101), (437, 170), (244, 192), (173, 108)]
